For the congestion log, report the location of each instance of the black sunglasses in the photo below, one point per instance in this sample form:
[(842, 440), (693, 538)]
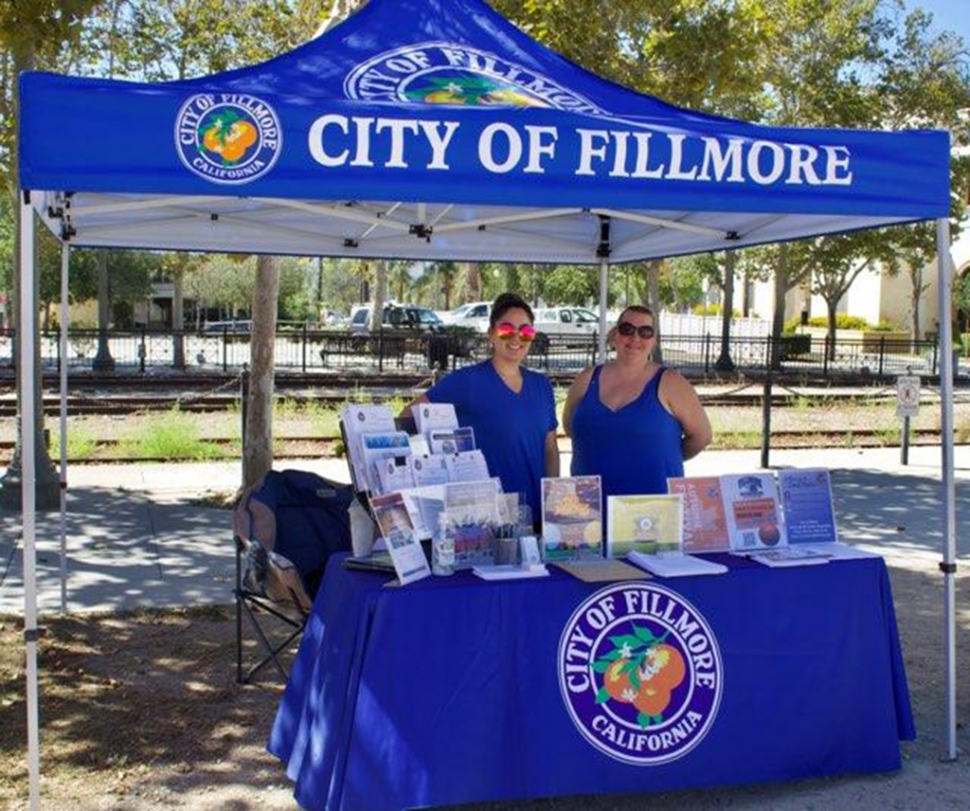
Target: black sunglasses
[(627, 329)]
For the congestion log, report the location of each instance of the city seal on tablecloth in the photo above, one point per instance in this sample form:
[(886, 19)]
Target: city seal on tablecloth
[(640, 673), (228, 138)]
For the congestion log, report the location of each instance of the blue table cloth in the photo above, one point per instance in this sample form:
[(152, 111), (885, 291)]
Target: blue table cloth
[(452, 690)]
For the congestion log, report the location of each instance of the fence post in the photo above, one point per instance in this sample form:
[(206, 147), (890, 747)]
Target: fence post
[(707, 352), (304, 347), (380, 349), (766, 421), (936, 354), (244, 410), (225, 347), (882, 352), (143, 349)]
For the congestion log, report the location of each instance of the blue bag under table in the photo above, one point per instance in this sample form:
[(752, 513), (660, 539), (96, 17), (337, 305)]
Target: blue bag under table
[(447, 691)]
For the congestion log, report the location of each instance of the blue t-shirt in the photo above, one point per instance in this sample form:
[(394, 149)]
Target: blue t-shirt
[(510, 429)]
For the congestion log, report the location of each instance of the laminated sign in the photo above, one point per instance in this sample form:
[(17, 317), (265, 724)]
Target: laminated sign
[(907, 396)]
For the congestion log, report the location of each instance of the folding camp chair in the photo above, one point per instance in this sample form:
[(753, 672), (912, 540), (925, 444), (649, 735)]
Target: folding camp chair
[(285, 528)]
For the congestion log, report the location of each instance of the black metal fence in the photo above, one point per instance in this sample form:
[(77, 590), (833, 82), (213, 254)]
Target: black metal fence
[(309, 349)]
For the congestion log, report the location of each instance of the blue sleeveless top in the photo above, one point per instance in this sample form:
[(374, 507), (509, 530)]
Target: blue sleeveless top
[(634, 449)]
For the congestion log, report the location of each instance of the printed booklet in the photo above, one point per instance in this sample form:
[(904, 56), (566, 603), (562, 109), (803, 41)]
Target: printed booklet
[(705, 527), (572, 518), (403, 545), (356, 420), (753, 513), (806, 500), (648, 524)]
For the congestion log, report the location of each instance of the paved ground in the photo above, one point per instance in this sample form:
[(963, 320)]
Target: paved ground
[(135, 538)]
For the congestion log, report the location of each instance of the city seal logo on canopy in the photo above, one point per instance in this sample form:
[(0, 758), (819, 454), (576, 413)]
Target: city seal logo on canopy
[(640, 673), (229, 138), (445, 73)]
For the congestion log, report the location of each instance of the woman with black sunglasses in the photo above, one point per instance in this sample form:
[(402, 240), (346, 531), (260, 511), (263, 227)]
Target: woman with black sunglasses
[(632, 421), (511, 409)]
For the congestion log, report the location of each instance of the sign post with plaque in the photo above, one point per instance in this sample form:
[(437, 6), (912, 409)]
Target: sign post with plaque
[(907, 406)]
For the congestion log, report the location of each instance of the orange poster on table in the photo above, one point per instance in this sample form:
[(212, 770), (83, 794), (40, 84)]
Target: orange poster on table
[(705, 527)]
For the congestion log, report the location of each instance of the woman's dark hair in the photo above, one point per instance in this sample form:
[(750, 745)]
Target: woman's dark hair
[(635, 308), (506, 302)]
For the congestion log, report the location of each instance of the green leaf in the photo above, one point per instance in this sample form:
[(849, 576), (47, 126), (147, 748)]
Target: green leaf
[(612, 656), (602, 696), (635, 679), (644, 634), (599, 666), (658, 719), (630, 665), (644, 720), (625, 639)]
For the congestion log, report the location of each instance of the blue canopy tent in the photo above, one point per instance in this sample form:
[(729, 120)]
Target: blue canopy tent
[(435, 129)]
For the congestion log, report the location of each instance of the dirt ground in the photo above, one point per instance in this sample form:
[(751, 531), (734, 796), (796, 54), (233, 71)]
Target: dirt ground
[(142, 712)]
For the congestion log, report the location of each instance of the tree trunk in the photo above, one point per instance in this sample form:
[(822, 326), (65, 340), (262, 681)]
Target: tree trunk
[(778, 316), (379, 297), (915, 300), (178, 319), (258, 439), (724, 362), (473, 281), (830, 307), (746, 295), (103, 362)]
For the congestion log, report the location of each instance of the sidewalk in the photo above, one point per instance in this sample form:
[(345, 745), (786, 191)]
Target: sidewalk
[(135, 539)]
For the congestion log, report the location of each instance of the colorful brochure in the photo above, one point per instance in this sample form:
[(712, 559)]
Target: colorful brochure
[(424, 506), (357, 420), (647, 524), (753, 512), (377, 447), (471, 515), (572, 518), (454, 440), (705, 527), (397, 530), (434, 416), (806, 500)]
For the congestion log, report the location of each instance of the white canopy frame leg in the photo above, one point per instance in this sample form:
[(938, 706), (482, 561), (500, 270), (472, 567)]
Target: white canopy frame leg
[(65, 282), (28, 314), (948, 566), (603, 252)]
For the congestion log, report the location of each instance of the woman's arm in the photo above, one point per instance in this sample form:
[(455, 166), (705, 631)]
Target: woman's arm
[(680, 399), (576, 392), (552, 454)]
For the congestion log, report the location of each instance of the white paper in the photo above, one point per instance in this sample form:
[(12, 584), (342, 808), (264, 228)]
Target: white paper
[(428, 470), (529, 548), (839, 551), (432, 416), (469, 466), (453, 440), (419, 445), (393, 476), (397, 530), (357, 420), (675, 564), (424, 506), (788, 556), (510, 571)]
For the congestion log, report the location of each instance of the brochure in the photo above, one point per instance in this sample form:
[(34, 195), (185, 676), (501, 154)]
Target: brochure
[(392, 519), (393, 475), (428, 470), (471, 514), (789, 556), (356, 420), (468, 466), (705, 527), (839, 551), (572, 517), (753, 513), (379, 446), (806, 500), (455, 440), (648, 524), (511, 571), (424, 506), (433, 416), (676, 564)]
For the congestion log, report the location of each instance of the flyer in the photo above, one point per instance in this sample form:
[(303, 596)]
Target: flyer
[(753, 513), (647, 524), (455, 440), (378, 447), (572, 517), (433, 416), (429, 469), (356, 420), (469, 466), (393, 474), (705, 527), (397, 530), (424, 506), (806, 501), (471, 515)]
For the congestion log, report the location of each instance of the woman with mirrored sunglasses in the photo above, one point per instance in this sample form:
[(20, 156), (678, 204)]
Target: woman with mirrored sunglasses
[(511, 409), (632, 421)]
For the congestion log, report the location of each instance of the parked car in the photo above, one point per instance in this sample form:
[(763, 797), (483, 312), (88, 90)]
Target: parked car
[(473, 315), (237, 327), (566, 322), (397, 316)]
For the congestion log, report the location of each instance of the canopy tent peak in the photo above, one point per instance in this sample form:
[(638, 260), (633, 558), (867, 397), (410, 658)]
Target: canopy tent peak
[(421, 231), (732, 236)]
